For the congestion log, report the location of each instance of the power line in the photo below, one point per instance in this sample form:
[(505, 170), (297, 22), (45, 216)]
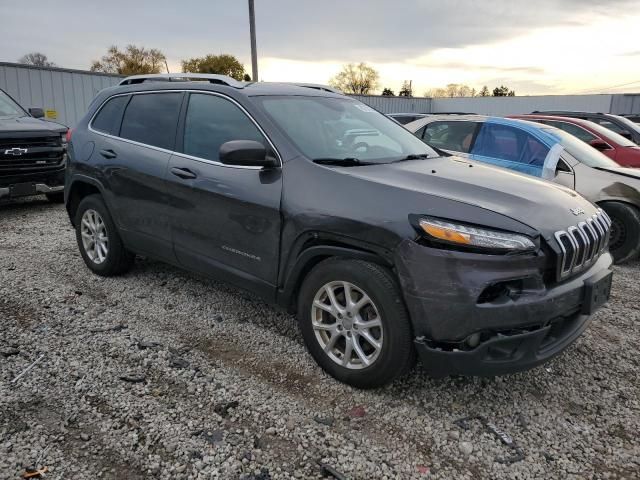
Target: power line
[(609, 88)]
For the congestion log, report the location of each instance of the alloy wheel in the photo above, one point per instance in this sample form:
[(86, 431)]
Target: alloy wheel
[(95, 239), (347, 325)]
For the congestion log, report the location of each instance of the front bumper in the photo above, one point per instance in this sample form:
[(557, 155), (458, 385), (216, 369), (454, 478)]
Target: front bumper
[(515, 330), (49, 182)]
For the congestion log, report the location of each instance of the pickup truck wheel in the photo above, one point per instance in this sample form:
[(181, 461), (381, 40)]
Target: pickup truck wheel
[(98, 239), (354, 322), (56, 197), (624, 239)]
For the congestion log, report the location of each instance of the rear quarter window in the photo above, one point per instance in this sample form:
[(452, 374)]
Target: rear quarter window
[(152, 119), (109, 117)]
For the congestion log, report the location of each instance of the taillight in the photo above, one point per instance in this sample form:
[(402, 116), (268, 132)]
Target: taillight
[(68, 135)]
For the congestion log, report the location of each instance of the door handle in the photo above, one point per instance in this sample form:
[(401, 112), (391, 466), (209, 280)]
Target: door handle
[(184, 173), (108, 153)]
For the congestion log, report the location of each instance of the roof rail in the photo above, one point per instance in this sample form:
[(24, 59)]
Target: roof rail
[(318, 86), (183, 77)]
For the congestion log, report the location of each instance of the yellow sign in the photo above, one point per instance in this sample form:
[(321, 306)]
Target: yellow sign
[(52, 114)]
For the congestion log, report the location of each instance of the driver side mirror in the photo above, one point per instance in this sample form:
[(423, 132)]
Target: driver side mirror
[(36, 112), (246, 153), (599, 144)]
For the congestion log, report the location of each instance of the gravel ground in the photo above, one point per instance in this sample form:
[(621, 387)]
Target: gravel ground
[(163, 374)]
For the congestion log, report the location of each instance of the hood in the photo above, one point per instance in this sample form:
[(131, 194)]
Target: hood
[(29, 124), (543, 206)]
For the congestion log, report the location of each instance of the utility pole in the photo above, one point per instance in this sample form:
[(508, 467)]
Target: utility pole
[(254, 53)]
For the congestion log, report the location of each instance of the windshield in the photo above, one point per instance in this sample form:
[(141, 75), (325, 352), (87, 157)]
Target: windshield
[(9, 108), (616, 137), (583, 152), (325, 128)]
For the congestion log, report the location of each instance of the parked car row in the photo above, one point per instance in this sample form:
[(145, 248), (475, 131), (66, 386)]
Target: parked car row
[(387, 247), (559, 149)]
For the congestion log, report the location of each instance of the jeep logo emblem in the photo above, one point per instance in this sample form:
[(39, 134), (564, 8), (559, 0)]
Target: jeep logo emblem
[(15, 151), (577, 211)]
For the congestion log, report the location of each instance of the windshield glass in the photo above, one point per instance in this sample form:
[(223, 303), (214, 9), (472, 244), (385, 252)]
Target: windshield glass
[(615, 137), (581, 151), (338, 128), (9, 108)]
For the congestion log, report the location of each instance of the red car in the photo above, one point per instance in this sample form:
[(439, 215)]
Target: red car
[(624, 152)]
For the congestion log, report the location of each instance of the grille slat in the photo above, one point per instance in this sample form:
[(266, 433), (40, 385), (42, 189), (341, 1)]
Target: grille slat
[(582, 244)]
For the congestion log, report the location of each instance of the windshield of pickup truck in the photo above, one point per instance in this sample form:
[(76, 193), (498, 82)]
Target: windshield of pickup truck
[(582, 151), (9, 108), (342, 131)]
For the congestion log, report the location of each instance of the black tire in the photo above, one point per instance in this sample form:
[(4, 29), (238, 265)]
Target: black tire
[(624, 242), (396, 354), (118, 259), (56, 197)]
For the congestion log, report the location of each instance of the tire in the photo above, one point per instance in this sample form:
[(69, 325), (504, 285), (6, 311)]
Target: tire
[(368, 366), (114, 259), (56, 197), (624, 241)]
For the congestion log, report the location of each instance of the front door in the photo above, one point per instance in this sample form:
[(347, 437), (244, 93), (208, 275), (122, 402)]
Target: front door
[(225, 220)]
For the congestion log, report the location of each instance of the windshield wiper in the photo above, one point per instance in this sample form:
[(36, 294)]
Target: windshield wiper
[(341, 162), (413, 156)]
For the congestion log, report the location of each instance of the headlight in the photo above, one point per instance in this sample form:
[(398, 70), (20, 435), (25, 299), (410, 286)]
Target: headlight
[(473, 237)]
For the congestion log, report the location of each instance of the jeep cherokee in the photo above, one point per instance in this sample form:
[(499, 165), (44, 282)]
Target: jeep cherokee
[(383, 246)]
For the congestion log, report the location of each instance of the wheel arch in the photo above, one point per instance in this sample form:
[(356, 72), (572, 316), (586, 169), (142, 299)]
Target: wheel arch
[(313, 252), (77, 190)]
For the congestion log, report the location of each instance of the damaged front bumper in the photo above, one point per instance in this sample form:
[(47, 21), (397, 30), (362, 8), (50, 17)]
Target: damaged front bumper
[(477, 314)]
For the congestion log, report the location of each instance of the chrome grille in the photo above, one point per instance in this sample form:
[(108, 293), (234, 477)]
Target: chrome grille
[(582, 244)]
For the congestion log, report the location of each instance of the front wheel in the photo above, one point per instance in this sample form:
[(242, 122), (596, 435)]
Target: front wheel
[(354, 322), (624, 239)]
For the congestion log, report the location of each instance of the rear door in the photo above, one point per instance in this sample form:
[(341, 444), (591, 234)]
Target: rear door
[(225, 220), (133, 150)]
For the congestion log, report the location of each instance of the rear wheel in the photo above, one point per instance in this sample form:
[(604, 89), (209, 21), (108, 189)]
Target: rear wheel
[(624, 239), (98, 240), (354, 322)]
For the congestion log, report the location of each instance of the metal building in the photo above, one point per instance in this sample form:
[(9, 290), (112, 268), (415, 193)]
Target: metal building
[(389, 104), (63, 94)]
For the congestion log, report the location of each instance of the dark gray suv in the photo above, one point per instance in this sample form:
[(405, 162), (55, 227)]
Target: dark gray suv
[(316, 202)]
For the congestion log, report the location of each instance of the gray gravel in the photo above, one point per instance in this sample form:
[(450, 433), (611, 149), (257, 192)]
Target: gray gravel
[(163, 374)]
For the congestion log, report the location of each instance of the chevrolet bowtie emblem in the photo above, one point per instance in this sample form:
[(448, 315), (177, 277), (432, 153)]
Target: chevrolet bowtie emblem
[(15, 151)]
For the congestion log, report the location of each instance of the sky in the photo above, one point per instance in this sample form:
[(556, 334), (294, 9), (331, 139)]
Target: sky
[(532, 46)]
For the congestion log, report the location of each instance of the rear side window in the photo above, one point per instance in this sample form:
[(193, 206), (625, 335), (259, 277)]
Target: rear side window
[(574, 130), (152, 118), (456, 136), (212, 121), (109, 117)]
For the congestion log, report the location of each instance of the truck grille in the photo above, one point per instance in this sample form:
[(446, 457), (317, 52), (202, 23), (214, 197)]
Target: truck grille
[(582, 244), (28, 155)]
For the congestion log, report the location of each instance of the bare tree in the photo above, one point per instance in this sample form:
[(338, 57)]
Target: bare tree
[(360, 79), (37, 59)]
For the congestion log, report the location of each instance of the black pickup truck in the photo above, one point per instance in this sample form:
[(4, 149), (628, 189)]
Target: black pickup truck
[(32, 152)]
